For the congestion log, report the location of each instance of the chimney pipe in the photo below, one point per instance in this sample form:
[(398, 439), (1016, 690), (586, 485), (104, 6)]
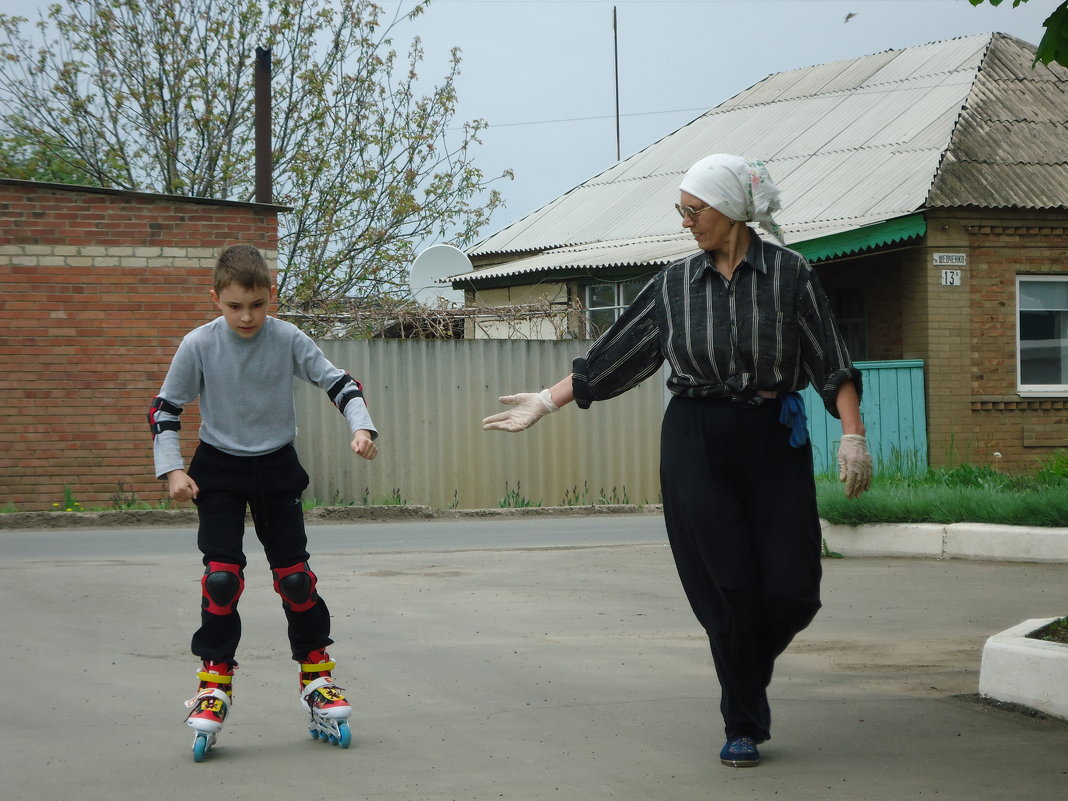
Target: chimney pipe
[(264, 165)]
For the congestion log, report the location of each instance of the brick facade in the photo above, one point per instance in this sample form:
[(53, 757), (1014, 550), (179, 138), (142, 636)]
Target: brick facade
[(966, 334), (1024, 430), (97, 287)]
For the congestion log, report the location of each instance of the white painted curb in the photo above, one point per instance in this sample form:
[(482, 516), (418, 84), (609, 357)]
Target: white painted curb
[(955, 541), (1019, 670), (1006, 543), (910, 539)]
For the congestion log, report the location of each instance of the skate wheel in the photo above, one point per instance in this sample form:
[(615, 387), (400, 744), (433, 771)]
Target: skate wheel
[(314, 734), (346, 735), (200, 747)]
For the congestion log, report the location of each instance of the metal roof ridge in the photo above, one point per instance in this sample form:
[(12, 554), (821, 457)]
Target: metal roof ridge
[(884, 52), (833, 92), (952, 143)]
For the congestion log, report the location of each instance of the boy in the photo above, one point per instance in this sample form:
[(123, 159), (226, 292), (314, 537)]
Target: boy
[(242, 365)]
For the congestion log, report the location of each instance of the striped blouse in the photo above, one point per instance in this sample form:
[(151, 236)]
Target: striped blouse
[(768, 328)]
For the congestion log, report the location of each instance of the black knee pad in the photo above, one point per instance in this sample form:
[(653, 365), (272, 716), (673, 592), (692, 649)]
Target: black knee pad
[(221, 586), (296, 585)]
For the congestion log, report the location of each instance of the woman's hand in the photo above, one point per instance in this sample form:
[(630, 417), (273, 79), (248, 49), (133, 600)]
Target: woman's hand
[(854, 464), (528, 408)]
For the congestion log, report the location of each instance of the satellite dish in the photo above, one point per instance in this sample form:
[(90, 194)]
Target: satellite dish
[(426, 278)]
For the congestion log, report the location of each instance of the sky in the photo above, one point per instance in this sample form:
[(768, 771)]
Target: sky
[(542, 73)]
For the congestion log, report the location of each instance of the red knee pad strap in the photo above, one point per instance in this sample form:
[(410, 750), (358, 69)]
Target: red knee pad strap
[(221, 586), (296, 585)]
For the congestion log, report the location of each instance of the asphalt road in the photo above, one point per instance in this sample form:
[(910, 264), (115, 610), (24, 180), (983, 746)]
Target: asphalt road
[(451, 535), (507, 659)]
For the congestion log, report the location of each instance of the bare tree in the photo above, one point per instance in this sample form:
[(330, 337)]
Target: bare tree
[(405, 318), (156, 95)]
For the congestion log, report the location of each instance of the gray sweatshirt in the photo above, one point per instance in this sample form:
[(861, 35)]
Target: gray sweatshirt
[(245, 388)]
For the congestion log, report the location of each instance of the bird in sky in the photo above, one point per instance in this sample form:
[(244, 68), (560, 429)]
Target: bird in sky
[(849, 16)]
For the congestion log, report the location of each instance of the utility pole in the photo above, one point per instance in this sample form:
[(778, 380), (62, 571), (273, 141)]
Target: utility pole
[(615, 48)]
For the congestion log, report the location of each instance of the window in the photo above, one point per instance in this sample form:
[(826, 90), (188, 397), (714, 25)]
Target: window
[(605, 302), (1042, 334)]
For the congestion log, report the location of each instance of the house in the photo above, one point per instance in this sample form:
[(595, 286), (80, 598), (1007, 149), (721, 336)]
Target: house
[(929, 188)]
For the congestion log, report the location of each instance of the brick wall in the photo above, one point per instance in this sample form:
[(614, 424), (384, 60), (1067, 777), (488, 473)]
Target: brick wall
[(974, 410), (97, 288)]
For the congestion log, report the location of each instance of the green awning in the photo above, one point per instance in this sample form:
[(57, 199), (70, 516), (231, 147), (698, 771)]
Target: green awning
[(865, 238)]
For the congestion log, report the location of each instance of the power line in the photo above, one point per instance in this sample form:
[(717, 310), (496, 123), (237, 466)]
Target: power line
[(660, 2), (598, 117)]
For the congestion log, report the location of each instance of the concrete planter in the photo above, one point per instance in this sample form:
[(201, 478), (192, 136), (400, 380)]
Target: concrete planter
[(1019, 670)]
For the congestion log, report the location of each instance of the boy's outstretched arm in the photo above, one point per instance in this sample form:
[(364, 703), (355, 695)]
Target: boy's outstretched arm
[(363, 445)]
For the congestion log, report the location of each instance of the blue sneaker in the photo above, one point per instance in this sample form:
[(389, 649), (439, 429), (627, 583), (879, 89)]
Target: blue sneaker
[(740, 752)]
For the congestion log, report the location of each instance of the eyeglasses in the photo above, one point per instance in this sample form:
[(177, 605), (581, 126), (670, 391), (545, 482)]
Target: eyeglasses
[(687, 211)]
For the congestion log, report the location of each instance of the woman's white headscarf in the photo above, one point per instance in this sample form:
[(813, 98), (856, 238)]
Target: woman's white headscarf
[(740, 189)]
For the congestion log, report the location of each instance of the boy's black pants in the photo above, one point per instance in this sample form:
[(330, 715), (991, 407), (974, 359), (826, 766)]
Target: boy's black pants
[(270, 486), (740, 510)]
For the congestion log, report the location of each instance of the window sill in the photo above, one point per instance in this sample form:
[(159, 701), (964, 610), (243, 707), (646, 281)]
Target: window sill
[(1050, 392)]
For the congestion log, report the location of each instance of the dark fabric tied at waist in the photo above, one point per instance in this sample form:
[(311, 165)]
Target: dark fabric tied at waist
[(792, 415)]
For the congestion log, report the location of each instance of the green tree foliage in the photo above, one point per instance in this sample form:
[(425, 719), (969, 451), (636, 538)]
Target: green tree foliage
[(1054, 44), (157, 95), (40, 161)]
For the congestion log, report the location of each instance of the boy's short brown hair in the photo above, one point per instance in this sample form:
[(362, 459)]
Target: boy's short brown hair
[(243, 265)]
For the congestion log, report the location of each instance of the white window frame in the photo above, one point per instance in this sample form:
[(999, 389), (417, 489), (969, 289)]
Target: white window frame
[(618, 304), (1034, 390)]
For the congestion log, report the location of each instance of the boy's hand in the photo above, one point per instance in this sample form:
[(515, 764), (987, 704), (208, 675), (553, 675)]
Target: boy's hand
[(180, 487), (363, 445)]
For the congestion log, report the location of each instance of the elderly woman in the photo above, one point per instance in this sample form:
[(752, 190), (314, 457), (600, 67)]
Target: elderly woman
[(743, 324)]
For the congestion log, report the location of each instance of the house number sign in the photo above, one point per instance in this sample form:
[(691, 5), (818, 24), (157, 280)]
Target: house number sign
[(951, 277)]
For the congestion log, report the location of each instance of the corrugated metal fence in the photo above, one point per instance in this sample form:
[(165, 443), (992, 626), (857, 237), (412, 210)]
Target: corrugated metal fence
[(428, 399)]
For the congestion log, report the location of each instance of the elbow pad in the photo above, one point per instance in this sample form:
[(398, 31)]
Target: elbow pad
[(344, 390), (161, 404)]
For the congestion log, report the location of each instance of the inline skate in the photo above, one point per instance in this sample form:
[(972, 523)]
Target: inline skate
[(324, 701), (209, 707)]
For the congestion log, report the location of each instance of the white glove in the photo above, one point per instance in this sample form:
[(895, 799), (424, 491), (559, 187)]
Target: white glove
[(529, 408), (854, 464)]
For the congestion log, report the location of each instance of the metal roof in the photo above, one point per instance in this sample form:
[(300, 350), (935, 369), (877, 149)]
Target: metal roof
[(653, 250), (852, 143)]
